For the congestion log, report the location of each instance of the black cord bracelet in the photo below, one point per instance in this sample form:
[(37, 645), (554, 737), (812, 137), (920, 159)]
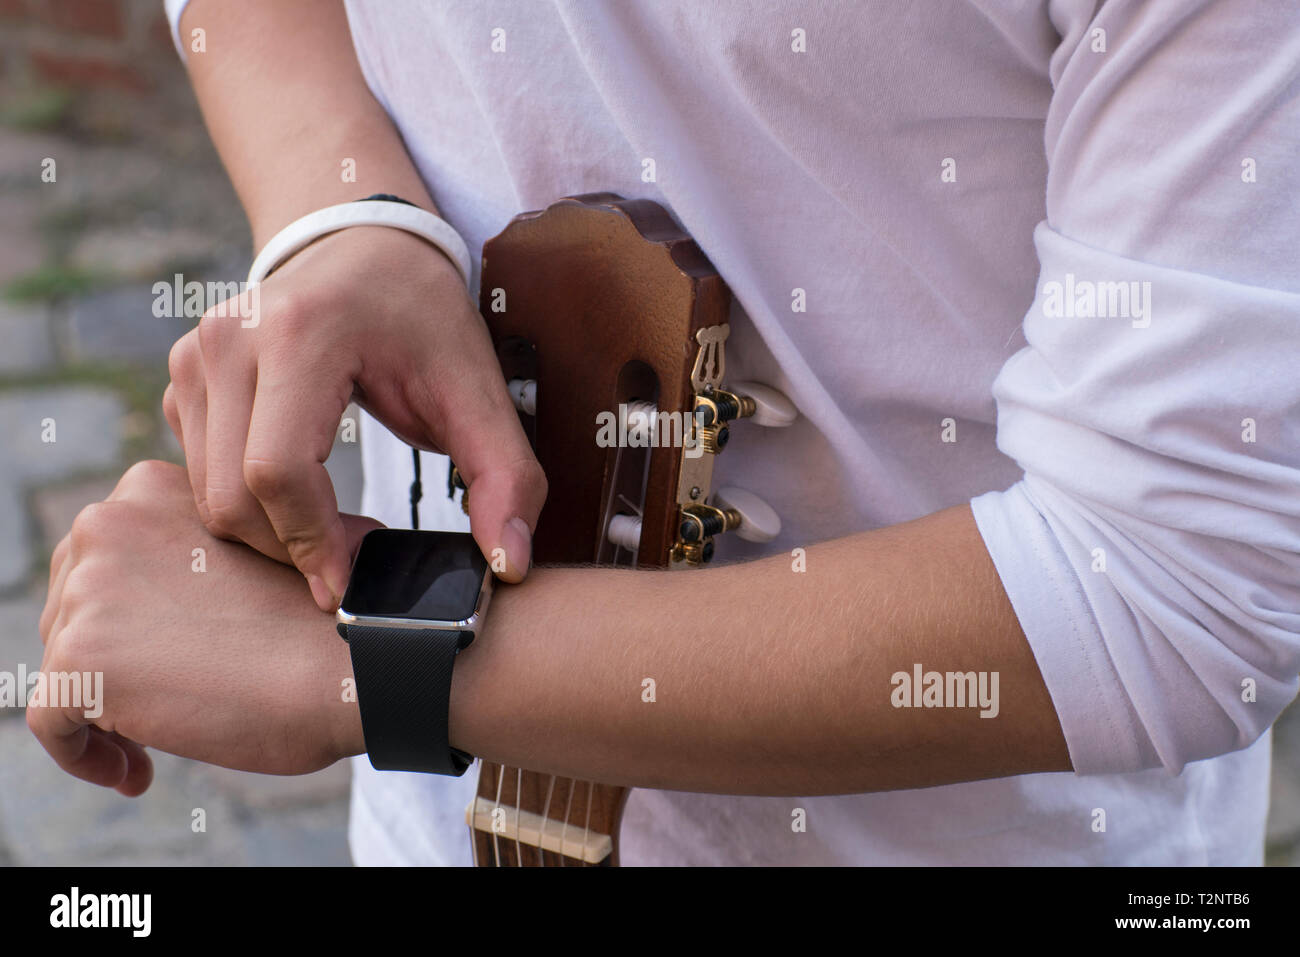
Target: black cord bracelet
[(386, 198), (417, 491)]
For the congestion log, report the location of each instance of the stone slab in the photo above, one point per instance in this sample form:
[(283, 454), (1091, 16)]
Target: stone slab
[(48, 817), (119, 325), (26, 342), (87, 430), (20, 640), (15, 541)]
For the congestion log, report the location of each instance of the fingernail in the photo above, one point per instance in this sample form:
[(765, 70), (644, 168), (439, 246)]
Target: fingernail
[(517, 540), (337, 579), (321, 592)]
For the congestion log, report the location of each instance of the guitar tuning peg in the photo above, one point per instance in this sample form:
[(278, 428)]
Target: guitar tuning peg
[(523, 392), (771, 407), (625, 532), (756, 521), (729, 509)]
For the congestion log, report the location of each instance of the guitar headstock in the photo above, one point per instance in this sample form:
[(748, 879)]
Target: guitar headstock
[(610, 325)]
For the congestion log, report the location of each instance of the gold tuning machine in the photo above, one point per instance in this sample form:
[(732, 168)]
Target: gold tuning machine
[(731, 508), (698, 526), (714, 408)]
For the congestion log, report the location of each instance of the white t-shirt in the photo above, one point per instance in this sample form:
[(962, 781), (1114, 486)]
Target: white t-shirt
[(1049, 256)]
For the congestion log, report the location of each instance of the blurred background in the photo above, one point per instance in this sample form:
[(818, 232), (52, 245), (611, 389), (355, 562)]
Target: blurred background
[(138, 196)]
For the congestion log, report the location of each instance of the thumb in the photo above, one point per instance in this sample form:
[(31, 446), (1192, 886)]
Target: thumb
[(503, 510), (355, 528), (487, 442), (507, 487)]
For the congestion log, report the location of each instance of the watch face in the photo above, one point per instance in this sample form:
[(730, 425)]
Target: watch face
[(431, 576)]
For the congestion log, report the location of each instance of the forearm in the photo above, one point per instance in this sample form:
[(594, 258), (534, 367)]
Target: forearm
[(766, 680), (285, 102)]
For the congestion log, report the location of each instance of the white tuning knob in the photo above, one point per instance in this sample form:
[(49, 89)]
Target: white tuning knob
[(771, 408), (758, 521), (625, 532), (523, 392), (641, 421)]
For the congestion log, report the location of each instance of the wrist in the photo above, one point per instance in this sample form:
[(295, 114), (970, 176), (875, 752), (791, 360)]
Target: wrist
[(381, 252), (476, 717), (344, 217), (275, 217), (281, 199), (332, 680)]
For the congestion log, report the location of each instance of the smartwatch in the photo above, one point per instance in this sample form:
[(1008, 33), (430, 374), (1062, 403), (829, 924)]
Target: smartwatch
[(413, 602)]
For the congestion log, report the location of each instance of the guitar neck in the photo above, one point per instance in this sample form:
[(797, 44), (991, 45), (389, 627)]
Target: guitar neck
[(602, 309)]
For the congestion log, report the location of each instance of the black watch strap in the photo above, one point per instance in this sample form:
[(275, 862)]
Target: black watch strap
[(403, 680)]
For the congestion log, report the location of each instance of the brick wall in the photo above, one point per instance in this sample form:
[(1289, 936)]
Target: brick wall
[(108, 46)]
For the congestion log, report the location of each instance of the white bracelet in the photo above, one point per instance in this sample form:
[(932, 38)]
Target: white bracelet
[(377, 212)]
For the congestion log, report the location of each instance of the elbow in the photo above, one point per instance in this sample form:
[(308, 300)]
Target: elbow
[(1207, 662)]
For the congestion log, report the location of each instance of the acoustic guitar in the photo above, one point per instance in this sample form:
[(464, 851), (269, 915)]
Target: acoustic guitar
[(610, 325)]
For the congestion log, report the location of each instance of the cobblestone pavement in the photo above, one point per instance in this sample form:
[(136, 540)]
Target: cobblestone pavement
[(79, 345)]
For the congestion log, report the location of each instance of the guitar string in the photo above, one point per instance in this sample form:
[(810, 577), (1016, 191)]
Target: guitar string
[(519, 788), (546, 811), (568, 805), (607, 513), (473, 817), (546, 817), (586, 827), (496, 845)]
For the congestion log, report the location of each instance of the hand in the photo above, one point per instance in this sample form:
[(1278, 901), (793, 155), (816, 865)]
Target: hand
[(232, 665), (371, 313)]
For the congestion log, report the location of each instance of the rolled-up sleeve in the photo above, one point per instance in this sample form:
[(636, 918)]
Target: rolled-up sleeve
[(1152, 549)]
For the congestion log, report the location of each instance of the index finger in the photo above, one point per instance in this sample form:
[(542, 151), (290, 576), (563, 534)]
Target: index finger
[(290, 436), (86, 752)]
